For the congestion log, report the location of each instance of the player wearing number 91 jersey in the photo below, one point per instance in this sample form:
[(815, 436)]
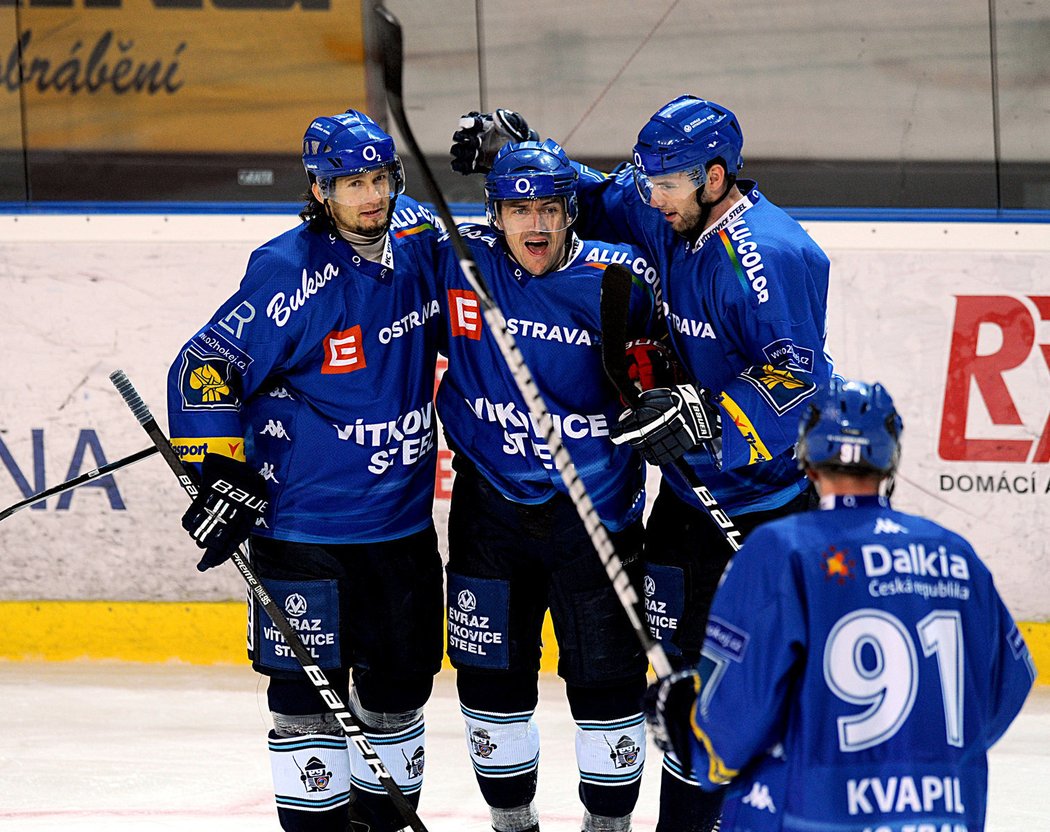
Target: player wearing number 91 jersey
[(858, 662)]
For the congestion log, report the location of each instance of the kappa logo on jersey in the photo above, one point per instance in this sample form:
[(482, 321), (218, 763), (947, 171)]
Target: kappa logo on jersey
[(266, 472), (315, 775), (465, 314), (275, 428), (781, 388), (884, 525), (758, 798), (204, 382), (481, 744), (837, 566), (625, 753), (344, 351)]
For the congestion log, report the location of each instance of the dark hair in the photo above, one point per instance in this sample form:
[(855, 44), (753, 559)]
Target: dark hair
[(314, 213)]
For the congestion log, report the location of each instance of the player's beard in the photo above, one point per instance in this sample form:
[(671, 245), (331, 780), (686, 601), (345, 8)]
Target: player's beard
[(361, 220)]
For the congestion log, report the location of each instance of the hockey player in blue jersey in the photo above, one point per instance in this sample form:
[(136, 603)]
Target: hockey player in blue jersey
[(745, 293), (310, 389), (516, 543), (859, 662)]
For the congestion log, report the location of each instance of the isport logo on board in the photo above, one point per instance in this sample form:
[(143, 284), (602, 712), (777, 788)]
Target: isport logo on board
[(996, 406)]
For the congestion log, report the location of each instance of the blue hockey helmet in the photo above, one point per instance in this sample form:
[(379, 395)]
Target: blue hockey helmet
[(851, 426), (348, 144), (685, 135), (530, 170)]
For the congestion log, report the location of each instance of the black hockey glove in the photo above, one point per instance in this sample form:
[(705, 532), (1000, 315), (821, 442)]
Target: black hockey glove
[(667, 422), (669, 711), (231, 498), (481, 135)]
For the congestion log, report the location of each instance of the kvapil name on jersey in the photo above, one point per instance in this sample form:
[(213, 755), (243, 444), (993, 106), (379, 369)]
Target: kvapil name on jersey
[(572, 425), (281, 307), (406, 439), (914, 560), (884, 795), (406, 323)]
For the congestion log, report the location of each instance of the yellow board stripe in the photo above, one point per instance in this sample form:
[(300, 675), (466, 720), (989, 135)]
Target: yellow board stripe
[(202, 632), (199, 632)]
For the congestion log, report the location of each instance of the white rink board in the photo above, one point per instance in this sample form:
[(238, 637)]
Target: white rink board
[(84, 295)]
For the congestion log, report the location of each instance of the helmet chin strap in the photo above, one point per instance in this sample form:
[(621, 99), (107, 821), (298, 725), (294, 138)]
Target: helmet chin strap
[(707, 207)]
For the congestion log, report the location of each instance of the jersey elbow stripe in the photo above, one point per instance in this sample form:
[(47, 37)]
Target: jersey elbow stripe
[(718, 772), (757, 450)]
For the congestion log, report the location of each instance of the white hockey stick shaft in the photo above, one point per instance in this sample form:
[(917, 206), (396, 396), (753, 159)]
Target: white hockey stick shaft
[(393, 62)]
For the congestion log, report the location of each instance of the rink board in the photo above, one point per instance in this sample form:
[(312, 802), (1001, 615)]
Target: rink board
[(954, 317)]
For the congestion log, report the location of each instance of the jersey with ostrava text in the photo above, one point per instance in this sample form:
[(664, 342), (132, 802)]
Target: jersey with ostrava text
[(319, 371), (746, 308), (858, 665), (555, 321)]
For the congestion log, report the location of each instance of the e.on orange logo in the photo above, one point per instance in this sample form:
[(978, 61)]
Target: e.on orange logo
[(464, 313), (969, 372), (344, 351)]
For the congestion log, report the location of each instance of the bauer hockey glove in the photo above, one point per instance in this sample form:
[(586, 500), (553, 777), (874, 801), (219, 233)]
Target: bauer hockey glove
[(231, 498), (481, 135), (668, 705), (668, 422)]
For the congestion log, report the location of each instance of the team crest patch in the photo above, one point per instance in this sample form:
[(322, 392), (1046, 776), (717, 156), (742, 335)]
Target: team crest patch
[(782, 389), (625, 753), (204, 382), (481, 743), (414, 766), (315, 775)]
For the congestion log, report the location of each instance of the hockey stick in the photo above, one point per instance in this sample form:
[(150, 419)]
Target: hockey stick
[(187, 478), (615, 302), (68, 485), (393, 62)]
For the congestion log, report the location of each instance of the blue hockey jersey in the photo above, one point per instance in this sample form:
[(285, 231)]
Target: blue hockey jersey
[(746, 308), (319, 371), (858, 665), (555, 321)]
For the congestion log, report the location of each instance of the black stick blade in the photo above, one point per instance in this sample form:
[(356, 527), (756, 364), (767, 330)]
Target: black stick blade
[(392, 44)]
